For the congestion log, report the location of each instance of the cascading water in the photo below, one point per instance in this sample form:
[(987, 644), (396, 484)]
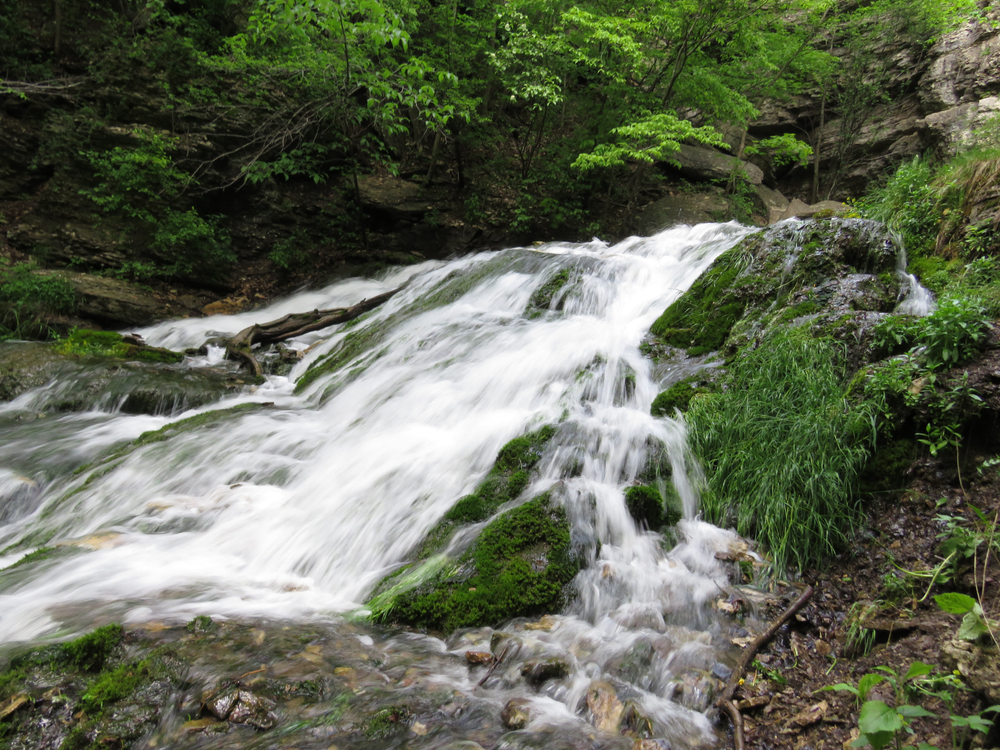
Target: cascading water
[(294, 504)]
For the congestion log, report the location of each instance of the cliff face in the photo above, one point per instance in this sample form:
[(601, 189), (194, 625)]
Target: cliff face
[(931, 102)]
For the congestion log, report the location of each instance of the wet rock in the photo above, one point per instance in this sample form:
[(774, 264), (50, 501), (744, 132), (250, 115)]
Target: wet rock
[(516, 714), (605, 708), (537, 671), (636, 662), (635, 723), (478, 657), (238, 705)]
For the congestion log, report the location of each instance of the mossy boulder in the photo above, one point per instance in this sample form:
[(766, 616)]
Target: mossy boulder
[(517, 567), (807, 272), (678, 396), (649, 508), (103, 369)]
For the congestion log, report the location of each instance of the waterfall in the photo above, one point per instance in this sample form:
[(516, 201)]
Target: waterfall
[(291, 503)]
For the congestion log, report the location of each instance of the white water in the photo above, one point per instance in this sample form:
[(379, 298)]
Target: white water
[(298, 508)]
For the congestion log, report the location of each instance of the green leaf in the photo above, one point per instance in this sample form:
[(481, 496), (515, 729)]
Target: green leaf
[(955, 604), (866, 683), (912, 712), (876, 716), (973, 626), (878, 740), (917, 669)]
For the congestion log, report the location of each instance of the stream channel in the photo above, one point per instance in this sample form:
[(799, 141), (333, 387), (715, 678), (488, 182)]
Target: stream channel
[(292, 508)]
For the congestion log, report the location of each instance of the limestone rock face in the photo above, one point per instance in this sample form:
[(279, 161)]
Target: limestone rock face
[(979, 666)]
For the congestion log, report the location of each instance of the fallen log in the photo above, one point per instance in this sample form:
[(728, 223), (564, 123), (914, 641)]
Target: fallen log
[(240, 346)]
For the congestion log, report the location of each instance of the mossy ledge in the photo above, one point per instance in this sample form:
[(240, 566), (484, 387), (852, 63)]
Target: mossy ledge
[(789, 272), (86, 343), (516, 568)]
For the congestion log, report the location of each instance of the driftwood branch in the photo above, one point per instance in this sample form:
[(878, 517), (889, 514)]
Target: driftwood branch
[(725, 700), (295, 324)]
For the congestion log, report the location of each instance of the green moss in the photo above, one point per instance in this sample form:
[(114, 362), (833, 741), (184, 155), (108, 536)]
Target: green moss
[(89, 652), (387, 721), (678, 396), (43, 553), (700, 319), (85, 343), (645, 505), (808, 307), (114, 686), (516, 568), (541, 300), (201, 624), (506, 480)]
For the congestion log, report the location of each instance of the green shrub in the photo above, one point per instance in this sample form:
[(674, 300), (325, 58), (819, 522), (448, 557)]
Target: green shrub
[(782, 448), (907, 204), (144, 185), (954, 331)]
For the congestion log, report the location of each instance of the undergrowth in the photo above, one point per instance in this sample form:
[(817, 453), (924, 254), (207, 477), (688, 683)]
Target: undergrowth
[(28, 298), (782, 448)]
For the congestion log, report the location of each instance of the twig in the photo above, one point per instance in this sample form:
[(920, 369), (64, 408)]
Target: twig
[(725, 700), (494, 665)]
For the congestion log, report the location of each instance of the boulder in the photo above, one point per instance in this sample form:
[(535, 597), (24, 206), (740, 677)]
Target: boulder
[(800, 210), (516, 713), (706, 164), (689, 208)]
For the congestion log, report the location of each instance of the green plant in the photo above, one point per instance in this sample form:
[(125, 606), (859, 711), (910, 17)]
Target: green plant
[(27, 298), (290, 253), (143, 184), (954, 331), (975, 624), (782, 447), (907, 203), (879, 723)]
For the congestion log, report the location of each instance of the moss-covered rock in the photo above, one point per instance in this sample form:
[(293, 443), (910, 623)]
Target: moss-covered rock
[(87, 693), (679, 395), (813, 271), (542, 298), (516, 568), (649, 508)]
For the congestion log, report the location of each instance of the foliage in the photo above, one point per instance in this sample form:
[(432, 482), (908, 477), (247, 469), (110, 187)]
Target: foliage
[(907, 204), (880, 724), (145, 185), (27, 298), (782, 447), (783, 150)]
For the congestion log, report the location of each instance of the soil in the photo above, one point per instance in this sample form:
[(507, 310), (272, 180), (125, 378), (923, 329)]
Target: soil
[(874, 608)]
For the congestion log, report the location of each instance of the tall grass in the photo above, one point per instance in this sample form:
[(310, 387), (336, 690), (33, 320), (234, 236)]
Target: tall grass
[(782, 448)]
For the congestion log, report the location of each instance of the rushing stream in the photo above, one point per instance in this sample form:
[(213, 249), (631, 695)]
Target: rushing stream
[(296, 508)]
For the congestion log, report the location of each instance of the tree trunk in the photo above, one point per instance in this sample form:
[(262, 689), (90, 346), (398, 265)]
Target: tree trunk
[(294, 324)]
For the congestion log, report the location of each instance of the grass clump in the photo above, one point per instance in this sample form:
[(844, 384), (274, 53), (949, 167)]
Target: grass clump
[(27, 299), (516, 568), (782, 447)]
